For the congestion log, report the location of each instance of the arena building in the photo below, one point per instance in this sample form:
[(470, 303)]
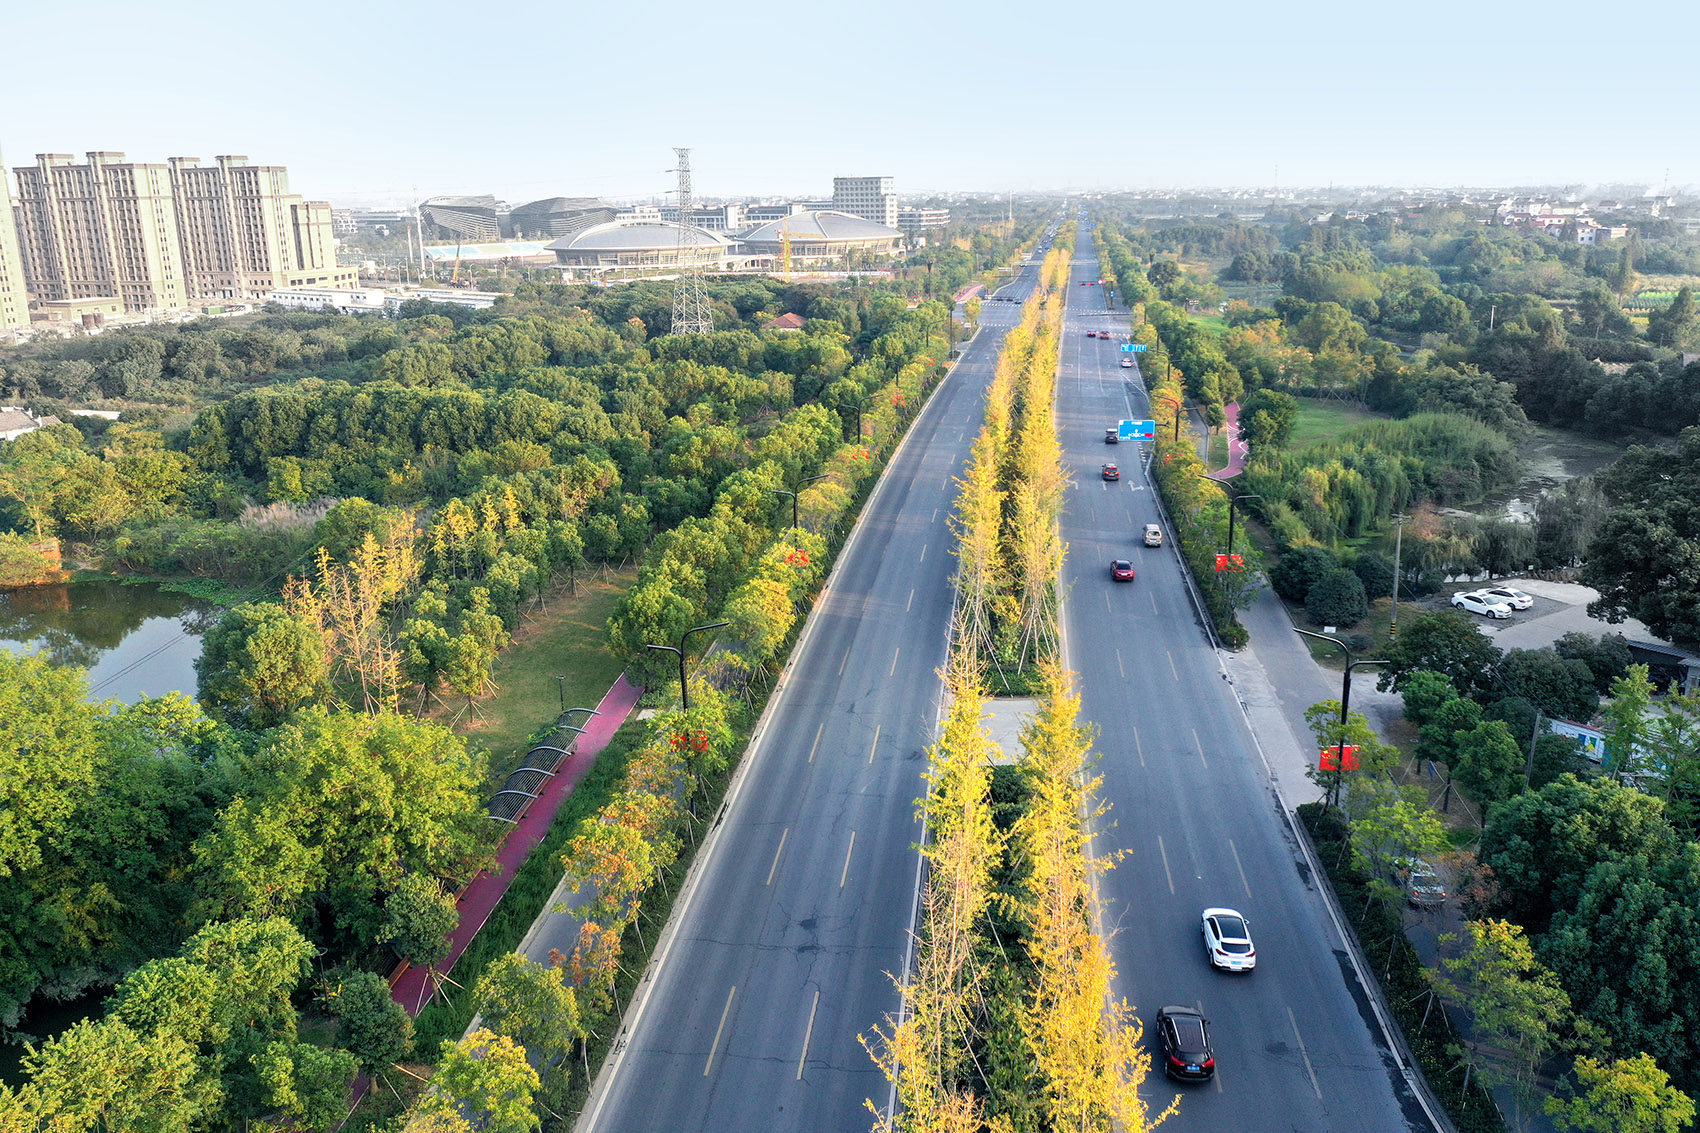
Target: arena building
[(822, 234), (612, 247)]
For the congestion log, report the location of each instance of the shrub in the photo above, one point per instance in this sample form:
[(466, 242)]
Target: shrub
[(1300, 569), (1375, 572), (1337, 600)]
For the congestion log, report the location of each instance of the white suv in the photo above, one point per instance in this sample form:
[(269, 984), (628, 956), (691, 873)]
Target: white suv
[(1153, 535)]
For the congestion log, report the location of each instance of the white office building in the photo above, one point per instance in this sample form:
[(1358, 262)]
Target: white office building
[(871, 198)]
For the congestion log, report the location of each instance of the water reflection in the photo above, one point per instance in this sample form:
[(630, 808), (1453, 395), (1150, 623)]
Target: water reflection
[(133, 639)]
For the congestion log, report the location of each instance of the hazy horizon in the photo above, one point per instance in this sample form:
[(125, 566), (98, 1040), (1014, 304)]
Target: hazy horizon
[(425, 100)]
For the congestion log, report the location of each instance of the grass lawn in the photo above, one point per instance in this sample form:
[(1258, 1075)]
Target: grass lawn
[(563, 634), (1215, 323), (1323, 421)]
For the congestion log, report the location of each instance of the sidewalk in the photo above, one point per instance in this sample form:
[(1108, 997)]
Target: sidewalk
[(414, 986)]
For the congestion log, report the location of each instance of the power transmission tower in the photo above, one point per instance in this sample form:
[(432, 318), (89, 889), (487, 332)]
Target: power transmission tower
[(691, 313)]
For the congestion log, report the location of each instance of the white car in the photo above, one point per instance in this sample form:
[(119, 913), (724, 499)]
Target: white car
[(1127, 363), (1511, 596), (1227, 940), (1478, 603)]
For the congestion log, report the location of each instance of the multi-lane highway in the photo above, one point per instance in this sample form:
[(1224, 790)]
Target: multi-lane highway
[(778, 953), (1295, 1041)]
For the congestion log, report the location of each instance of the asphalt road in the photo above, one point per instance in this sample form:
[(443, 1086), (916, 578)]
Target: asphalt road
[(782, 949), (1193, 810)]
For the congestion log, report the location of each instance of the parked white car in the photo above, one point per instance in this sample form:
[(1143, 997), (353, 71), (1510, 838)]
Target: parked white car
[(1476, 602), (1511, 596)]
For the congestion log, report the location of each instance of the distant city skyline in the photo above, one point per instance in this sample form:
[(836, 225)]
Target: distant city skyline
[(386, 104)]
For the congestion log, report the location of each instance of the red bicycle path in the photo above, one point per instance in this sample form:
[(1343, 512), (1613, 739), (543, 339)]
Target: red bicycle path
[(413, 986), (1237, 449)]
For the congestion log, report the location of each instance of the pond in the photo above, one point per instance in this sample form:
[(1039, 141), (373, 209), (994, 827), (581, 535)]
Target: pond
[(134, 639), (1550, 457)]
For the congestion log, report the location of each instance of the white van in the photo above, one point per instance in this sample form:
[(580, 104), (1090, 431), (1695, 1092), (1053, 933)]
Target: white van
[(1153, 535)]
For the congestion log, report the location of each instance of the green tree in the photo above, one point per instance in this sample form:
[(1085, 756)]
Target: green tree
[(1423, 692), (1444, 642), (1489, 764), (371, 1025), (260, 662), (1541, 844), (339, 807), (1267, 419), (47, 755), (1517, 1007), (1630, 954), (419, 916), (1300, 569), (1374, 757), (487, 1074), (306, 1084), (1677, 325), (104, 1077), (1644, 558), (533, 1005), (1625, 1095)]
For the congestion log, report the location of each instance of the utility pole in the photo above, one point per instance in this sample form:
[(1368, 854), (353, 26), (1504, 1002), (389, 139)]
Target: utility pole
[(1399, 522), (1534, 735)]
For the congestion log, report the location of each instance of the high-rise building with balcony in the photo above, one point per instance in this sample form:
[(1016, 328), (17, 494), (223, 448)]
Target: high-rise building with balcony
[(158, 236), (14, 298), (245, 234), (106, 228)]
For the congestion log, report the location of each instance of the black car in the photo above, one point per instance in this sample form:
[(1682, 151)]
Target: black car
[(1112, 436), (1185, 1035)]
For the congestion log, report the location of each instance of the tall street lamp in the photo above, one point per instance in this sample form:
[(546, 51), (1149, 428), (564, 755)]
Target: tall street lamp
[(792, 492), (1176, 403), (1345, 703), (684, 691), (1233, 501), (856, 408)]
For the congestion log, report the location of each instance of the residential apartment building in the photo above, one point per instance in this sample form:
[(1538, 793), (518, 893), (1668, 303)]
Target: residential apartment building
[(245, 234), (157, 236), (14, 298), (105, 228), (870, 198)]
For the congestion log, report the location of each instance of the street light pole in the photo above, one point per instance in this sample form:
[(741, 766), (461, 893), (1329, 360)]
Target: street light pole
[(1345, 704), (1176, 403), (1233, 501), (792, 492), (856, 408), (684, 690)]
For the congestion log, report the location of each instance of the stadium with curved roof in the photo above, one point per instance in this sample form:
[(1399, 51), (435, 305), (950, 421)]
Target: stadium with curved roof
[(822, 234), (607, 247)]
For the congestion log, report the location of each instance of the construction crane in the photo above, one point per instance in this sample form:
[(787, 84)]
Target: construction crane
[(454, 280), (785, 246)]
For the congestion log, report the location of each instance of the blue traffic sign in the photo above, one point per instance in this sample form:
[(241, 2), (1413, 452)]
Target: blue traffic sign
[(1137, 430), (1133, 348)]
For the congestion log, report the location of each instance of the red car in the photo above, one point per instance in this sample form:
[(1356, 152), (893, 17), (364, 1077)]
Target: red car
[(1111, 472), (1121, 571), (1104, 334)]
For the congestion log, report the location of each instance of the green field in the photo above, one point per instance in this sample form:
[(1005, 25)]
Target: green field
[(1323, 421), (565, 634)]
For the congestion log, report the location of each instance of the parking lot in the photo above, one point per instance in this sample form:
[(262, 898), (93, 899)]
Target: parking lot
[(1560, 608)]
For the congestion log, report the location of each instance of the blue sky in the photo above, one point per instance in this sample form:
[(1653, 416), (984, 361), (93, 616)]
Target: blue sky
[(369, 101)]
